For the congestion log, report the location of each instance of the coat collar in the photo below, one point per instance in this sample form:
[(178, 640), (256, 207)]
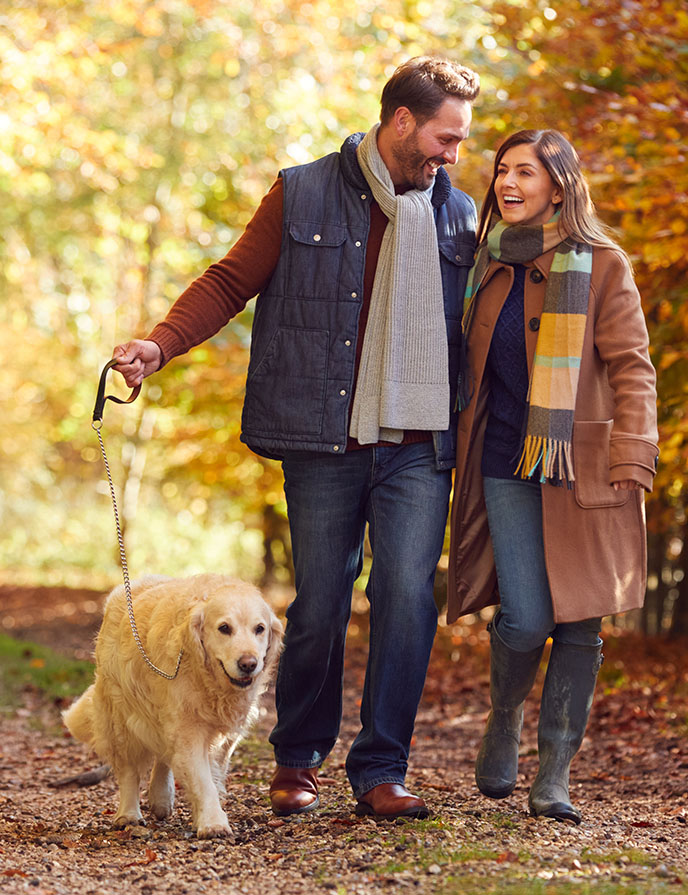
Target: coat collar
[(353, 174), (543, 263)]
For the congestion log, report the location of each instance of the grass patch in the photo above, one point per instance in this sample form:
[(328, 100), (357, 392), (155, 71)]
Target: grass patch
[(25, 665), (496, 886), (633, 856)]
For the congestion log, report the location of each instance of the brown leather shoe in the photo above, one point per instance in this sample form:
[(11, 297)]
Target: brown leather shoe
[(294, 790), (391, 800)]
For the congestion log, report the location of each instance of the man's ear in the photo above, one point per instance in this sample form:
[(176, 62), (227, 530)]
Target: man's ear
[(403, 121)]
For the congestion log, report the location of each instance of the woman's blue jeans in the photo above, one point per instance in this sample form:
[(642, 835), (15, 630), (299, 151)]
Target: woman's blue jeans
[(404, 499), (526, 619)]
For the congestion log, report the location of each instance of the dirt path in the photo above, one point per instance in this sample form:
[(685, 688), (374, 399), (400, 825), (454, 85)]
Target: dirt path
[(630, 781)]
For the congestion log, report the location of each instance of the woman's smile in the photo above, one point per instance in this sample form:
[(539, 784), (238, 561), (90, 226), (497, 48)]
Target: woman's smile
[(526, 194)]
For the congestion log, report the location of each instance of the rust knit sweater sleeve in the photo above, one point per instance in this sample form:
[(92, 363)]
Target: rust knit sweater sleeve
[(223, 290)]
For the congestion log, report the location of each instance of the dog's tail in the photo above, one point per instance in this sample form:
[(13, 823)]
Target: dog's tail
[(78, 718)]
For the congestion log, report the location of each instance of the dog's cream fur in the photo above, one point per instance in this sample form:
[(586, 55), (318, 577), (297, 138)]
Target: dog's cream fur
[(187, 727)]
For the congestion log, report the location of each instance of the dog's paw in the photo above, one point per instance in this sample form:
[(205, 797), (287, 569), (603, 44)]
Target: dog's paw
[(161, 802), (215, 831), (161, 810), (124, 820)]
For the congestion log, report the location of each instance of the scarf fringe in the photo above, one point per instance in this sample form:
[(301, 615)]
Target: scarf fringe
[(549, 458)]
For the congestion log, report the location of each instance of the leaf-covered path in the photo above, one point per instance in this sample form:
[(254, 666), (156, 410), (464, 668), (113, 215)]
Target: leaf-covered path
[(630, 780)]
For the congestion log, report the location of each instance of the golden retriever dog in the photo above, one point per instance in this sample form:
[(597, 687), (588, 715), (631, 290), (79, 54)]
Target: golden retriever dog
[(186, 728)]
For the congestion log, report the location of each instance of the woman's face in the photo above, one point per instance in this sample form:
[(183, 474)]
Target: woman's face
[(525, 192)]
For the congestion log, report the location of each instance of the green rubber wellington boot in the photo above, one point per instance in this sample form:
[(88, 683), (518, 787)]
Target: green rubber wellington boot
[(512, 675), (564, 711)]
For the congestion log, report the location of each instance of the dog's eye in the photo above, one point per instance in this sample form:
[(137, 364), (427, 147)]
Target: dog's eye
[(260, 629), (225, 629)]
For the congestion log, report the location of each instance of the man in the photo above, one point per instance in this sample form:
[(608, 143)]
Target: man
[(360, 261)]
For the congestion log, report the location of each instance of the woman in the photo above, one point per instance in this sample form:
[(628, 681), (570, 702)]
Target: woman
[(557, 441)]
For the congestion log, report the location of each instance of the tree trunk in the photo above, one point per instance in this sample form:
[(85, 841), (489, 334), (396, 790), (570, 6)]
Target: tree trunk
[(275, 531), (651, 617), (679, 617)]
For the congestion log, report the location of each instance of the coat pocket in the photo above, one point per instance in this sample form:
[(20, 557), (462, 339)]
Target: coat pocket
[(591, 465)]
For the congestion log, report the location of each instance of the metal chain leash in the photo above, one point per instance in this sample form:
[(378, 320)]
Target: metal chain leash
[(96, 425)]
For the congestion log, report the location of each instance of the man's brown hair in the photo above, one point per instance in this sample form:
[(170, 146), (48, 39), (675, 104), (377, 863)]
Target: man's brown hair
[(423, 83)]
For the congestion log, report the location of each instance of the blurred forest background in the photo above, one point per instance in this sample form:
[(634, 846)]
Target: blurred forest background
[(136, 139)]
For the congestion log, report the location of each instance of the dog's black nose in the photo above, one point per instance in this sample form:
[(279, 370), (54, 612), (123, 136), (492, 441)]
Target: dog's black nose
[(247, 664)]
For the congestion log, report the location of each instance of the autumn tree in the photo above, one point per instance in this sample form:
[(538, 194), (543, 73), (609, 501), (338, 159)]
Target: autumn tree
[(612, 76)]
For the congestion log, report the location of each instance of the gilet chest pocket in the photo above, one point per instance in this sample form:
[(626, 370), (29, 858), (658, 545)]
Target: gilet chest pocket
[(315, 259)]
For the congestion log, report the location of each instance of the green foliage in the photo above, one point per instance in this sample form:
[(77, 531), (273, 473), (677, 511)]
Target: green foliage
[(27, 665), (135, 143)]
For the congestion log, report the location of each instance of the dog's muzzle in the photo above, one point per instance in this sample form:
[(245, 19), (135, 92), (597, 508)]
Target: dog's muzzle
[(242, 682)]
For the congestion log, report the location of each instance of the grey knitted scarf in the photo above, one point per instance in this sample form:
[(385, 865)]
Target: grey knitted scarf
[(403, 379)]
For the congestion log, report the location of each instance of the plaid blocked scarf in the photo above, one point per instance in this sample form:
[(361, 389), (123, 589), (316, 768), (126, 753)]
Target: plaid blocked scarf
[(546, 449)]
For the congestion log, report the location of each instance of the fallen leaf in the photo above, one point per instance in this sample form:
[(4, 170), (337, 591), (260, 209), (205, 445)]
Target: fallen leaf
[(149, 857)]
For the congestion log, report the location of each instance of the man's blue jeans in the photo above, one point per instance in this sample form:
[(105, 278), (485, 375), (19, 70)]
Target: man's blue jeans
[(404, 499), (526, 618)]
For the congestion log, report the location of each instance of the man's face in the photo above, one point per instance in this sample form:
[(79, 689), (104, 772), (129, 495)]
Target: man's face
[(420, 150)]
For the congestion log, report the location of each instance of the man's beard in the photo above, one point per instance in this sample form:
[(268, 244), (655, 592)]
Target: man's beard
[(411, 163)]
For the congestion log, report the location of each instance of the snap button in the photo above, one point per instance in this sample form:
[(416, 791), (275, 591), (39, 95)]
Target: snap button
[(317, 237), (358, 244), (354, 294), (534, 323), (342, 392), (536, 276), (335, 448), (363, 196), (457, 257), (348, 343)]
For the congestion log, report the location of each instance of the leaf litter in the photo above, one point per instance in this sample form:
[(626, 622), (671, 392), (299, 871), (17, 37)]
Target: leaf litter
[(630, 780)]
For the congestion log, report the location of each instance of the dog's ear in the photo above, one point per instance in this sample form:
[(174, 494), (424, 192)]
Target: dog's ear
[(275, 642), (196, 619)]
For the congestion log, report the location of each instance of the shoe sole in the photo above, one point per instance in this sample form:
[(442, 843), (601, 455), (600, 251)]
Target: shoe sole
[(302, 810), (558, 811), (362, 809)]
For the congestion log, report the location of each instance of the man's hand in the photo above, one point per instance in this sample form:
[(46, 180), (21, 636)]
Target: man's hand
[(136, 360)]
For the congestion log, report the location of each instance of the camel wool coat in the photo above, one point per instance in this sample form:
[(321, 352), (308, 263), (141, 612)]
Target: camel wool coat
[(594, 536)]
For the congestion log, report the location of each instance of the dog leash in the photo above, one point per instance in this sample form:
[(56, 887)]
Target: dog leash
[(96, 425)]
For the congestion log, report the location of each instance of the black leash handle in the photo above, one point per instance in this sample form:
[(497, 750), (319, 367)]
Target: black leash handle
[(101, 398)]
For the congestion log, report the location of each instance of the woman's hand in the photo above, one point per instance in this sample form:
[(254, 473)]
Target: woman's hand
[(626, 485)]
